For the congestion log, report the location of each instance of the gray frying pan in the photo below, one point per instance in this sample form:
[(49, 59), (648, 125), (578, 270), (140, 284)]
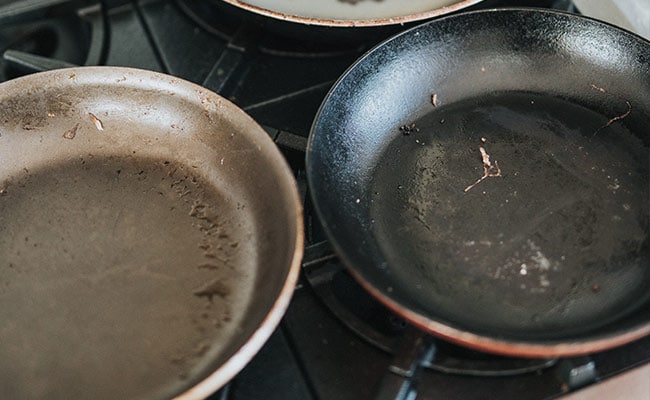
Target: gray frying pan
[(486, 176), (150, 236)]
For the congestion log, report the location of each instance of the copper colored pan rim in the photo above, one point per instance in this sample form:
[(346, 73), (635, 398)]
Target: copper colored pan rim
[(359, 23), (238, 361), (551, 349), (243, 356)]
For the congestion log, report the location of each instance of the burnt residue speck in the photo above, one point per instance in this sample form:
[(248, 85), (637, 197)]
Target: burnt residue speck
[(71, 133), (409, 129), (208, 266), (214, 288)]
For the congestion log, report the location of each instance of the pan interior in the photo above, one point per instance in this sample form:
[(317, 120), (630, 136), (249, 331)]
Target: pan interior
[(552, 243), (117, 275)]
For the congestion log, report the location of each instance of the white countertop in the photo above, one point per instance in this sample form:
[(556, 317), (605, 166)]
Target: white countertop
[(633, 15)]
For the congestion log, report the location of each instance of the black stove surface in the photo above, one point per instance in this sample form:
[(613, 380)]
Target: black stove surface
[(335, 341)]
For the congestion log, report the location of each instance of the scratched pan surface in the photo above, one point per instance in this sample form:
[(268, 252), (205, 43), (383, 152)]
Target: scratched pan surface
[(486, 176), (138, 259)]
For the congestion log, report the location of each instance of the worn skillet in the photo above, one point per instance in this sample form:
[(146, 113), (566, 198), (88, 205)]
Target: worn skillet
[(138, 256), (485, 176), (333, 25), (351, 13)]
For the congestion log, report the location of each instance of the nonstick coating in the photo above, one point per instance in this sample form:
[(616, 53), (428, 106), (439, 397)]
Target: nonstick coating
[(486, 176), (138, 256)]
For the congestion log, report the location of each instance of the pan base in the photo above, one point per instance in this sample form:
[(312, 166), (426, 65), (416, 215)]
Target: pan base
[(516, 215), (116, 278)]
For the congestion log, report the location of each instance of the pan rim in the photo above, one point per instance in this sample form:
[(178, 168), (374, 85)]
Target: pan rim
[(395, 37), (483, 342), (245, 354), (515, 348), (141, 78), (359, 23)]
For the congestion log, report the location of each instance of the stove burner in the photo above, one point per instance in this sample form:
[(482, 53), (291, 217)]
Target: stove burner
[(382, 328), (40, 35), (226, 22), (313, 355)]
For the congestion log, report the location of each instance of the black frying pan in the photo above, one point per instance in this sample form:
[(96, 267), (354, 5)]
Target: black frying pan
[(486, 176)]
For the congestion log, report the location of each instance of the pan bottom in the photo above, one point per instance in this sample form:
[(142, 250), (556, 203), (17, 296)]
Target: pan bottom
[(517, 215), (117, 278)]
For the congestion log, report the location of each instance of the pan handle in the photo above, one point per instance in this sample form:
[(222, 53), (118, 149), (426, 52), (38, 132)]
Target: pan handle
[(416, 351)]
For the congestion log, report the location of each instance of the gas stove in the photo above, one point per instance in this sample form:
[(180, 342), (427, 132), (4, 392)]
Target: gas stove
[(335, 341)]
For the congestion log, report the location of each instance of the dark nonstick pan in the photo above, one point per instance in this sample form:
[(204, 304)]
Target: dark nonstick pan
[(486, 176), (150, 236)]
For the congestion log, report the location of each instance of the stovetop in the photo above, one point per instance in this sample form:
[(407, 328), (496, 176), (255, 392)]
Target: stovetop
[(335, 341)]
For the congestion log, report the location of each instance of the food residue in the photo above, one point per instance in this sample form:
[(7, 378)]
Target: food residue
[(208, 266), (489, 169), (98, 123), (616, 118), (71, 133), (408, 129), (620, 117), (434, 99), (216, 287)]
